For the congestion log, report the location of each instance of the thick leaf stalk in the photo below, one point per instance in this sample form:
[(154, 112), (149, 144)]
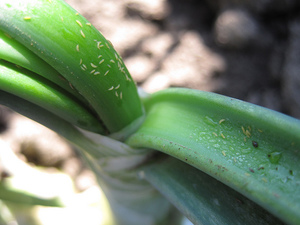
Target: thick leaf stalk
[(72, 46)]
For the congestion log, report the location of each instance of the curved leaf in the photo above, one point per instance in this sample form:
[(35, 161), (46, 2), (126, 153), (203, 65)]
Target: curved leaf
[(252, 149), (79, 52), (201, 198)]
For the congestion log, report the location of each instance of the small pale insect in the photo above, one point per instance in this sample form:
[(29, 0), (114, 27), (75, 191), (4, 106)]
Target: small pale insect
[(93, 65), (243, 129), (248, 134), (82, 34), (111, 88), (221, 121), (222, 135), (77, 48), (79, 23), (27, 18)]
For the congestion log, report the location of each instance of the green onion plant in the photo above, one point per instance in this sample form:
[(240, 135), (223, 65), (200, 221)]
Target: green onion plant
[(218, 160)]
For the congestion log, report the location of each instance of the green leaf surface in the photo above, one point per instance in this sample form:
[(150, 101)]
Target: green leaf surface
[(201, 198), (36, 89), (78, 51), (252, 149), (14, 52)]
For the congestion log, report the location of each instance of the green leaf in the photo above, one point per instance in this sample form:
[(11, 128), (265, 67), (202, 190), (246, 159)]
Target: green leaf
[(13, 52), (36, 89), (201, 198), (254, 150), (72, 46)]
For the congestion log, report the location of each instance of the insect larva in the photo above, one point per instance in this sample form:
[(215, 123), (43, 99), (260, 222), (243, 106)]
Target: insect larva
[(223, 152), (76, 14), (83, 67), (77, 48), (98, 44), (221, 121), (112, 61), (106, 72), (107, 45), (222, 135), (89, 24), (251, 170), (93, 65), (117, 86), (243, 130), (121, 95), (97, 73), (110, 43), (79, 23), (82, 34), (93, 71), (109, 65), (27, 18), (127, 78), (259, 130), (215, 134), (101, 61), (248, 134), (80, 62), (116, 93), (99, 56), (112, 87)]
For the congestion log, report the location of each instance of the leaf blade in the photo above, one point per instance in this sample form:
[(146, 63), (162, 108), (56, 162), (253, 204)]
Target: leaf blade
[(188, 125)]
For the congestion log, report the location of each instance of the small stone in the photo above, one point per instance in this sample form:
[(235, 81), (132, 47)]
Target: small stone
[(149, 9), (140, 67), (235, 28), (156, 82)]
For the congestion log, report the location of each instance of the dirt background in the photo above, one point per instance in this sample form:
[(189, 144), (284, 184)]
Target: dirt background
[(246, 49)]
